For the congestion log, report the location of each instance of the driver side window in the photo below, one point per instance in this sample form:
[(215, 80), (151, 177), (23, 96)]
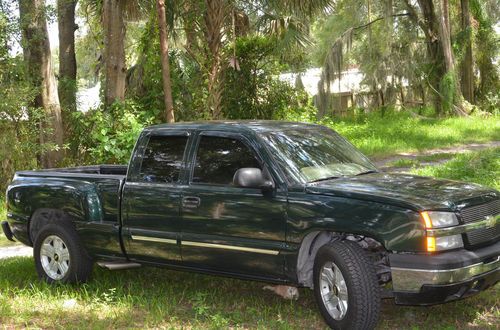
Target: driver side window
[(218, 158)]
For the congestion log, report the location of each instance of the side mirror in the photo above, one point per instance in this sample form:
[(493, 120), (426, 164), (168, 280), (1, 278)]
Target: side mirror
[(250, 177)]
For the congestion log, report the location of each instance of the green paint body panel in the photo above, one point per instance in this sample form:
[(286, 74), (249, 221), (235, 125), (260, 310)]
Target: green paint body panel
[(236, 231)]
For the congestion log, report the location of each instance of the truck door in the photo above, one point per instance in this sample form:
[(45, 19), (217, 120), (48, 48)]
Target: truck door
[(228, 228), (151, 199)]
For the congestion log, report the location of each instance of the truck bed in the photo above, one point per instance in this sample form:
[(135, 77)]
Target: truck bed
[(93, 170), (89, 194)]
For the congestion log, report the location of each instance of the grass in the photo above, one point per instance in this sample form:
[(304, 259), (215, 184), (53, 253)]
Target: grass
[(404, 162), (159, 298), (481, 167), (379, 136), (434, 157)]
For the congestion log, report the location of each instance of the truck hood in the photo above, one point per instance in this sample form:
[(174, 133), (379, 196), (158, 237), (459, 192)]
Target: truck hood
[(405, 190)]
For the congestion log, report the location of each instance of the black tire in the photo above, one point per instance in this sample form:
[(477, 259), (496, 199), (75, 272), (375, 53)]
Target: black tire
[(363, 292), (78, 266)]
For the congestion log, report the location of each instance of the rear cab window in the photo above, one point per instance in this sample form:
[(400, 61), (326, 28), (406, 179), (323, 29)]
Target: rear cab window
[(163, 159)]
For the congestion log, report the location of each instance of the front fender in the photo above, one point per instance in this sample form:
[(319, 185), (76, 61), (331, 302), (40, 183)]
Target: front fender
[(396, 228)]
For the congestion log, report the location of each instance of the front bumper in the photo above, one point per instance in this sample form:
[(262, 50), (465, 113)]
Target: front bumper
[(7, 231), (433, 279)]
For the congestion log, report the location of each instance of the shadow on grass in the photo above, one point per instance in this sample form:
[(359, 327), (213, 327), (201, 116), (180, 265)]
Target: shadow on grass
[(151, 297)]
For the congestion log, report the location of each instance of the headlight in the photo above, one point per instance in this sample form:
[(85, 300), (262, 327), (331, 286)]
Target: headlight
[(447, 243), (439, 219)]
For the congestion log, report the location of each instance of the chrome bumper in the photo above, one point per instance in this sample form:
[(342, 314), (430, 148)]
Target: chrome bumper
[(412, 280)]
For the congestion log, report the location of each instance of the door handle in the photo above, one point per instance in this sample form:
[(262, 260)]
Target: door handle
[(191, 202)]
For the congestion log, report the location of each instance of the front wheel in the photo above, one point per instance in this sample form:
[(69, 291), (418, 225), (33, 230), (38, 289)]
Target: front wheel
[(59, 255), (346, 286)]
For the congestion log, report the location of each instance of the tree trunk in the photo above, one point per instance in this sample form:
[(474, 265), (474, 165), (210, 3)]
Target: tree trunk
[(444, 35), (455, 101), (37, 56), (67, 59), (189, 26), (430, 27), (214, 21), (467, 80), (114, 50), (165, 64)]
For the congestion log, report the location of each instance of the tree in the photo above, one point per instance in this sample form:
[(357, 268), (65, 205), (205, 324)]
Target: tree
[(450, 91), (215, 19), (443, 81), (67, 58), (165, 62), (37, 56), (114, 50), (467, 68)]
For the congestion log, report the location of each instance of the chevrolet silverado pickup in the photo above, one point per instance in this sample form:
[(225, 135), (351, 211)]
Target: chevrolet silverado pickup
[(279, 202)]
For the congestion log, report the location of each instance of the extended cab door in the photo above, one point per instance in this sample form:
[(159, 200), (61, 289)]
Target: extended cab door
[(228, 228), (152, 196)]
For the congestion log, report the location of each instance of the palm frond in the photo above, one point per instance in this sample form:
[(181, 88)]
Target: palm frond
[(304, 8)]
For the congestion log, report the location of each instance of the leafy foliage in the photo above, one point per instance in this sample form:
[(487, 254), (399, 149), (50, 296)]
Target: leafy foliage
[(252, 89), (107, 137)]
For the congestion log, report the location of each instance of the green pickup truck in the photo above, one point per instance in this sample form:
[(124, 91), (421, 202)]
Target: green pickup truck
[(279, 202)]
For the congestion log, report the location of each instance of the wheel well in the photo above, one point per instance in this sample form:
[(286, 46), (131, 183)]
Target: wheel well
[(315, 240), (42, 217)]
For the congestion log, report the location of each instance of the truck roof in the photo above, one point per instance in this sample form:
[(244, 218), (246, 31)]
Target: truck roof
[(232, 125)]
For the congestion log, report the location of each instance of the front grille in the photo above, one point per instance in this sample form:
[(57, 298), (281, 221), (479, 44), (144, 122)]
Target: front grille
[(477, 213)]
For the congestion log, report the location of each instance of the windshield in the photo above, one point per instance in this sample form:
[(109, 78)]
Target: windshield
[(315, 153)]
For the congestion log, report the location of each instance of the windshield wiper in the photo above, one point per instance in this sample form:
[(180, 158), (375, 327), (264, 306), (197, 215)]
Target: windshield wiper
[(325, 179), (367, 172)]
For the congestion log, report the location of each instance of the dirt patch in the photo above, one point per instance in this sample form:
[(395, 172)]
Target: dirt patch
[(429, 157), (16, 251)]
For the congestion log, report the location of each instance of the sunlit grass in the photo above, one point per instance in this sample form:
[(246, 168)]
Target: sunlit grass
[(404, 162), (159, 298), (379, 136), (481, 167)]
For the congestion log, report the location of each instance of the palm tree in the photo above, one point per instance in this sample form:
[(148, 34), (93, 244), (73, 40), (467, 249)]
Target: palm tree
[(113, 14), (67, 58), (165, 62), (114, 50), (37, 56)]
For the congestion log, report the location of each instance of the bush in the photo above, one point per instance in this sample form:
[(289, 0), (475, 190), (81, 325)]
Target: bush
[(252, 89), (108, 136)]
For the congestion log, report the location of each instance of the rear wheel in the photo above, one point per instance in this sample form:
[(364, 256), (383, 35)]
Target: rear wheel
[(60, 256), (346, 286)]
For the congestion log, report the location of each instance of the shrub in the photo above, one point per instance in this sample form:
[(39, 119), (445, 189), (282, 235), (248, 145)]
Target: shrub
[(108, 136)]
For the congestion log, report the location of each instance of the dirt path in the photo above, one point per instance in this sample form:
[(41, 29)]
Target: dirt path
[(15, 251), (386, 163)]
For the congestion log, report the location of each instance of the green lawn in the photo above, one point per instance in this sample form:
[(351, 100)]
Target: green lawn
[(482, 167), (379, 136), (159, 298)]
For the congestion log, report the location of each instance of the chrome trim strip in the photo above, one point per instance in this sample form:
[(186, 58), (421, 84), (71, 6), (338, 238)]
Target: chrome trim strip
[(488, 222), (408, 279), (230, 247), (154, 239)]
